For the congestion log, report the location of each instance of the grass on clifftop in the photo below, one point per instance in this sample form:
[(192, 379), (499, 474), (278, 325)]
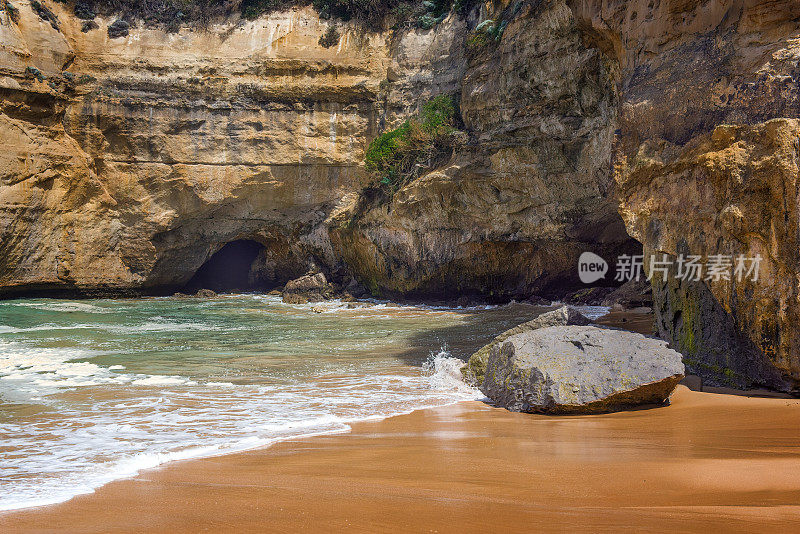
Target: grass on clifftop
[(173, 14), (399, 156)]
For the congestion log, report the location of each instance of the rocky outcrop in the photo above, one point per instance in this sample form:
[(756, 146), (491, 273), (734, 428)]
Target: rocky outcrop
[(527, 192), (308, 288), (134, 159), (138, 157), (580, 369), (475, 369), (706, 163), (131, 161)]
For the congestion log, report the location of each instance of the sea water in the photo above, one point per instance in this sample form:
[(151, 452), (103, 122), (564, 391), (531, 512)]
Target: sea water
[(96, 390)]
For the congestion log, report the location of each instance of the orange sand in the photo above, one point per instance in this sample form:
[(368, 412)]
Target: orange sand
[(707, 463)]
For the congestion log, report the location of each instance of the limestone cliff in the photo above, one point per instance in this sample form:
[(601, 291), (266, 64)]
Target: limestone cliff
[(706, 162), (531, 187), (164, 147), (129, 161)]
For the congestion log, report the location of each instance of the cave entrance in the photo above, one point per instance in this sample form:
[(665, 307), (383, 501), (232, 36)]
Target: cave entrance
[(229, 269)]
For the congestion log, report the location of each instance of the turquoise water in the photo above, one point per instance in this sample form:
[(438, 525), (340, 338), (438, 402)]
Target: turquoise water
[(95, 390)]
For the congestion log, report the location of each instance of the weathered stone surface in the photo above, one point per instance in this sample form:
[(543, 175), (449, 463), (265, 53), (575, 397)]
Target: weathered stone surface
[(308, 288), (172, 145), (310, 282), (674, 120), (580, 369), (509, 215), (631, 294), (476, 367), (706, 163)]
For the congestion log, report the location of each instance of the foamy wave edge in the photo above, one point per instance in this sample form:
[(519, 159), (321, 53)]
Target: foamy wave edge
[(442, 369)]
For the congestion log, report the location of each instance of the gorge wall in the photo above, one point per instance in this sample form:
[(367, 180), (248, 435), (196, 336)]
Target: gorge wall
[(177, 143), (168, 146), (706, 163), (585, 123)]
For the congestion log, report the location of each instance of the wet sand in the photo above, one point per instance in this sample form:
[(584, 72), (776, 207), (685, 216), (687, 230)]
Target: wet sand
[(707, 463)]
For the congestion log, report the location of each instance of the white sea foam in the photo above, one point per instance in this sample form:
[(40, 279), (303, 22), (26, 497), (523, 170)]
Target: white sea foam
[(593, 312), (57, 306), (444, 374), (157, 325), (105, 437)]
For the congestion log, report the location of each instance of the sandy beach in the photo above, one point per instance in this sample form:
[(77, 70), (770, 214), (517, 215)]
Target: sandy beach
[(708, 462)]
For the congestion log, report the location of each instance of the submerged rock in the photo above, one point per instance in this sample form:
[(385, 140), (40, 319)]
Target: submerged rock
[(476, 367), (579, 370), (201, 293)]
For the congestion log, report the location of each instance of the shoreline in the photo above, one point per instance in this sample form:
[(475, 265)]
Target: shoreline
[(180, 458), (706, 461)]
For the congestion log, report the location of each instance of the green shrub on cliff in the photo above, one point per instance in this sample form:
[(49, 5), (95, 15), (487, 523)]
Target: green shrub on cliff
[(400, 155), (330, 37), (172, 14), (44, 13), (485, 33), (11, 11)]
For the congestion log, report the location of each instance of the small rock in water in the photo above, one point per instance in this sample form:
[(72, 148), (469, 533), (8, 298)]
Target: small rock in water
[(205, 293), (311, 287), (579, 370), (318, 309), (464, 302), (355, 289), (309, 282)]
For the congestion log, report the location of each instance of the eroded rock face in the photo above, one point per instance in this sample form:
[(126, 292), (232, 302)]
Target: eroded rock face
[(526, 194), (165, 147), (706, 162), (173, 145), (580, 369), (675, 121)]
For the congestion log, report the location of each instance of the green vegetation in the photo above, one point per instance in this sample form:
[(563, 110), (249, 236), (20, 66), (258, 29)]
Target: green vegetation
[(84, 11), (174, 13), (330, 37), (251, 9), (44, 13), (169, 13), (33, 72), (11, 11), (485, 33), (89, 25), (399, 156)]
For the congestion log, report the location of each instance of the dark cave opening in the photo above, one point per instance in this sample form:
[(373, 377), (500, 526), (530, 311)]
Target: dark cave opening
[(229, 269)]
